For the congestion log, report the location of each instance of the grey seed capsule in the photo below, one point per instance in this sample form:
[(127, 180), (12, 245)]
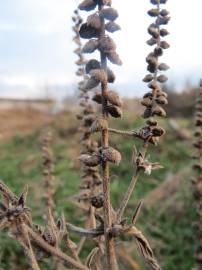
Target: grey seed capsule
[(87, 5), (92, 64), (112, 27), (110, 14)]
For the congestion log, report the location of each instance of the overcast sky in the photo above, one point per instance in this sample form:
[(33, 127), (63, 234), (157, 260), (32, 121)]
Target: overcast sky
[(36, 45)]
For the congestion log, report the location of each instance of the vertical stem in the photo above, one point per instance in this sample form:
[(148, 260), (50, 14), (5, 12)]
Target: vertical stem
[(109, 242)]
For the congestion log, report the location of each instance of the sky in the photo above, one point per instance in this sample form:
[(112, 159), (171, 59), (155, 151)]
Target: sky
[(36, 48)]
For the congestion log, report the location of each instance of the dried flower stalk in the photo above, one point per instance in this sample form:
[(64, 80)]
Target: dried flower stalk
[(197, 181)]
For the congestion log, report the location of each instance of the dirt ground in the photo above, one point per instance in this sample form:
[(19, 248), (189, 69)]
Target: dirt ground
[(21, 121)]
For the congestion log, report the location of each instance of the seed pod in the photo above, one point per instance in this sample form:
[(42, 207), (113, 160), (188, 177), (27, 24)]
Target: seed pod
[(87, 31), (109, 14), (94, 21), (158, 51), (99, 74), (114, 98), (106, 44), (88, 119), (91, 83), (147, 102), (154, 12), (152, 68), (158, 131), (90, 46), (151, 122), (163, 67), (114, 111), (105, 2), (90, 161), (164, 45), (148, 94), (112, 27), (112, 155), (92, 64), (97, 201), (99, 124), (162, 78), (153, 85), (164, 32), (148, 78), (87, 5), (153, 31), (163, 20), (114, 58), (97, 98), (151, 41), (147, 113), (161, 100), (159, 111), (110, 75), (164, 12)]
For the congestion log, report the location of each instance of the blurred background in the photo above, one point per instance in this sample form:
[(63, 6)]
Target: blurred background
[(38, 91)]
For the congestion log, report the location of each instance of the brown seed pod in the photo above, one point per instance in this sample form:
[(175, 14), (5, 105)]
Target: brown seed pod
[(99, 124), (159, 111), (91, 83), (90, 46), (114, 58), (97, 98), (105, 2), (114, 98), (110, 76), (151, 41), (158, 51), (87, 31), (97, 201), (90, 161), (106, 44), (164, 32), (163, 67), (164, 12), (153, 85), (151, 122), (164, 45), (158, 131), (112, 27), (94, 21), (148, 94), (154, 12), (112, 155), (110, 14), (92, 64), (153, 31), (162, 78), (99, 75), (147, 102), (161, 100), (87, 5), (148, 78), (114, 111)]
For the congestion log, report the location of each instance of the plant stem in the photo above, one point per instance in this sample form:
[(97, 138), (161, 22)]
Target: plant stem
[(109, 242)]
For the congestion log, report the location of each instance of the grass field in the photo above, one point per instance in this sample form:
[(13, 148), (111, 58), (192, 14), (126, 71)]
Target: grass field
[(166, 217)]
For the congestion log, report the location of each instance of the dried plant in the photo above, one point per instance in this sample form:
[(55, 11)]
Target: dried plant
[(197, 181)]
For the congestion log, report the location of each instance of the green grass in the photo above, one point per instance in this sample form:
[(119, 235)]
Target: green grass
[(167, 225)]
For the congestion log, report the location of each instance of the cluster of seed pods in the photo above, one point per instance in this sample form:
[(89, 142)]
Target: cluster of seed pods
[(156, 98), (197, 181), (90, 188), (95, 30)]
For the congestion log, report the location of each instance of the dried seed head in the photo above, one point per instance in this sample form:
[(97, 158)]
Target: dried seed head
[(87, 5), (98, 201), (158, 131), (97, 98), (106, 44), (112, 27), (90, 161), (148, 94), (94, 21), (151, 122), (99, 124), (110, 14), (159, 111), (112, 155), (154, 12), (163, 67), (164, 44), (148, 78), (114, 58), (147, 102), (114, 111), (92, 64), (99, 75), (161, 100), (114, 98), (87, 31), (110, 75), (153, 31), (90, 46), (162, 78), (158, 51)]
